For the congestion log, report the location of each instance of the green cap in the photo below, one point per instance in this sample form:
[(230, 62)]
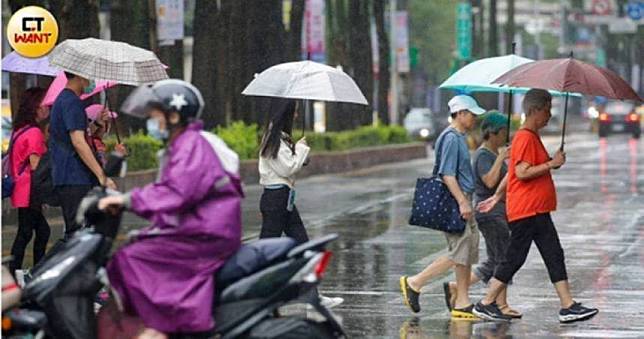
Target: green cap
[(494, 121)]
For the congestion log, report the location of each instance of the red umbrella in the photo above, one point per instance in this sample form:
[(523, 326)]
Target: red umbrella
[(570, 76)]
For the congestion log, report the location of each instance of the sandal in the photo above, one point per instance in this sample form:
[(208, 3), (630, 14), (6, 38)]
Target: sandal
[(506, 310)]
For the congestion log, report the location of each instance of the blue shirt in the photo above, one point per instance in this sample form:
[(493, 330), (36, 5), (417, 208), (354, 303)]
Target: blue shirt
[(455, 158), (67, 168)]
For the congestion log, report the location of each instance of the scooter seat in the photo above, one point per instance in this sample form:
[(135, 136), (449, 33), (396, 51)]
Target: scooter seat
[(251, 258)]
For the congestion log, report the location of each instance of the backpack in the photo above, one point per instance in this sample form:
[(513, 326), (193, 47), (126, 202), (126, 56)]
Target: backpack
[(42, 184), (8, 181)]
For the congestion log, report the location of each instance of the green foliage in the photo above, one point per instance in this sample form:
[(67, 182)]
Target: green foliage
[(433, 32), (244, 139), (241, 138), (142, 151)]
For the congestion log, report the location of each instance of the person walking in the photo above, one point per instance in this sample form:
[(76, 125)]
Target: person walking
[(490, 169), (279, 161), (74, 167), (531, 197), (455, 169), (26, 148)]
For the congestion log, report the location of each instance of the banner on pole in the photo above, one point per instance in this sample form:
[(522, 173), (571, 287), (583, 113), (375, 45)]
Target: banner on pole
[(314, 29), (402, 41), (169, 20)]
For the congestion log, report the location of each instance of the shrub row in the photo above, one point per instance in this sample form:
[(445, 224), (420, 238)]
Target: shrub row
[(244, 139)]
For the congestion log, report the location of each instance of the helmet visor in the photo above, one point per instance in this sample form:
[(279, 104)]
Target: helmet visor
[(138, 102)]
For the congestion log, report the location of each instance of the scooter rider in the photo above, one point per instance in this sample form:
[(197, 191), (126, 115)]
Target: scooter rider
[(166, 275)]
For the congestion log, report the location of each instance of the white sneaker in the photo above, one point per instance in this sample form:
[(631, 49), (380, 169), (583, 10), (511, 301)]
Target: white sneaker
[(330, 302)]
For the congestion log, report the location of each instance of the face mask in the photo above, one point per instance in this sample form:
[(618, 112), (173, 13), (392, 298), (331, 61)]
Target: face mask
[(90, 88), (154, 131)]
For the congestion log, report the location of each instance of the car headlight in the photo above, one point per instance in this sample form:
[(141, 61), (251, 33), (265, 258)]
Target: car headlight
[(424, 133)]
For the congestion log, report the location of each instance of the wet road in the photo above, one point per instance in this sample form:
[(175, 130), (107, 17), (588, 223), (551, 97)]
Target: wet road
[(600, 221)]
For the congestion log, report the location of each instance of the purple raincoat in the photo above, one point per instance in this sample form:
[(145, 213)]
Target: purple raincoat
[(166, 276)]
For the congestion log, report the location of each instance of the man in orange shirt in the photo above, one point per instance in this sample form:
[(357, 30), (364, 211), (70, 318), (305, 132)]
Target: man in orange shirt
[(531, 196)]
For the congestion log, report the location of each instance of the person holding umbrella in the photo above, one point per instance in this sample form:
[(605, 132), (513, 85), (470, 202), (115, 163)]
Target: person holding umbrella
[(74, 167), (531, 197), (279, 161)]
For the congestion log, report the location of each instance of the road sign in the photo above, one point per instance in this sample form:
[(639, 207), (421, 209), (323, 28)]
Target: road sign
[(464, 31), (635, 10)]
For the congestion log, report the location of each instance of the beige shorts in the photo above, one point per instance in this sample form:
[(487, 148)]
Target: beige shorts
[(464, 247)]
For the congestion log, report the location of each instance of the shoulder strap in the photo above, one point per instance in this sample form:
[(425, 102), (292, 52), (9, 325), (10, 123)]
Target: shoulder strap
[(14, 137), (439, 151)]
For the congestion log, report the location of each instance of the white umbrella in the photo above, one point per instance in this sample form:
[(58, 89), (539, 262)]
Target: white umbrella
[(479, 75), (306, 80), (108, 60)]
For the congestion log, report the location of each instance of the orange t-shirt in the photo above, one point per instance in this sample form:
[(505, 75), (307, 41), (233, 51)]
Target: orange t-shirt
[(534, 196)]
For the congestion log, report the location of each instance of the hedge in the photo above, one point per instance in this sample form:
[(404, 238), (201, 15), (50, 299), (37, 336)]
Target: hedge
[(244, 139), (142, 150)]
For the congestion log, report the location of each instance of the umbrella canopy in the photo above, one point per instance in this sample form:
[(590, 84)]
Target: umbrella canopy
[(569, 75), (479, 75), (306, 80), (60, 82), (16, 63), (108, 60)]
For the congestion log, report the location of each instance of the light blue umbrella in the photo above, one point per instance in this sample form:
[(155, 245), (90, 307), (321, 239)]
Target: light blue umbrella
[(479, 75)]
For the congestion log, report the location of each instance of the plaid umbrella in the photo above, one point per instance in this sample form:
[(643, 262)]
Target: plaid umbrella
[(108, 60)]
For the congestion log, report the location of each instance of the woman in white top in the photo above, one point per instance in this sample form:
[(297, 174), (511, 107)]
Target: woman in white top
[(279, 160)]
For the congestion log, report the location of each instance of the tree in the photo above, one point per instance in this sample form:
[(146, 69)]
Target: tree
[(509, 28), (209, 58), (493, 42), (129, 22), (360, 57), (383, 66), (77, 19), (433, 32), (295, 30)]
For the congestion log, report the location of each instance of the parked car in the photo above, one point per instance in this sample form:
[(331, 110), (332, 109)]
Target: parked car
[(419, 123), (619, 117)]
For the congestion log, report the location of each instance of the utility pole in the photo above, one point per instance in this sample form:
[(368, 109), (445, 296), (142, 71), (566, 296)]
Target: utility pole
[(394, 63)]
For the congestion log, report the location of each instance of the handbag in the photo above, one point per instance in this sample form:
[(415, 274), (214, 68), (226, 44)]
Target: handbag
[(8, 181), (433, 205)]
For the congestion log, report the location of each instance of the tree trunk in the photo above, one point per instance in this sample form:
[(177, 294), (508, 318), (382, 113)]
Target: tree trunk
[(493, 39), (206, 56), (129, 22), (383, 67), (77, 19), (509, 28), (361, 62), (295, 30)]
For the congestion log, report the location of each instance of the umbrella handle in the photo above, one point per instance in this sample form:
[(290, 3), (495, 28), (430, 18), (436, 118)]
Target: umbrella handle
[(116, 130), (563, 129), (507, 137)]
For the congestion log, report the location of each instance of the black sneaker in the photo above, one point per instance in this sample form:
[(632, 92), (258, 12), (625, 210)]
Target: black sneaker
[(576, 312), (410, 297), (490, 312)]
